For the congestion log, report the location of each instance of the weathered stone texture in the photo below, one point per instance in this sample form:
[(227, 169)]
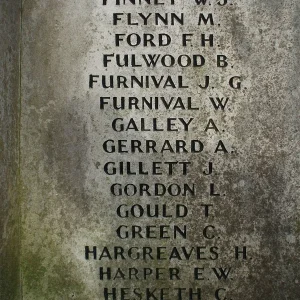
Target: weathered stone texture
[(9, 149), (66, 198)]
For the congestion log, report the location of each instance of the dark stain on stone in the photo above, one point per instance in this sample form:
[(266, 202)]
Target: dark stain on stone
[(63, 136), (9, 150), (65, 146), (241, 40)]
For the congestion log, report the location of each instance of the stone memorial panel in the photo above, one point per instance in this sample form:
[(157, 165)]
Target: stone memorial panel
[(159, 150)]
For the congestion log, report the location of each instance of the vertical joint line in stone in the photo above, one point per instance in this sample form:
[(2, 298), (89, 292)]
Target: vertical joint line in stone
[(19, 182)]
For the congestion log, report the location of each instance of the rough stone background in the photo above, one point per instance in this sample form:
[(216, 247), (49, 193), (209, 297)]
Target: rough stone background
[(65, 196), (9, 153)]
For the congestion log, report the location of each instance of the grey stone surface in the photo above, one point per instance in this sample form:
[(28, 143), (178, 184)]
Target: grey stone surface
[(66, 199), (9, 149)]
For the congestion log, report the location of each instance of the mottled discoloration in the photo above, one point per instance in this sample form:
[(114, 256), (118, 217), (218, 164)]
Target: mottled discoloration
[(67, 203), (271, 144), (9, 149)]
